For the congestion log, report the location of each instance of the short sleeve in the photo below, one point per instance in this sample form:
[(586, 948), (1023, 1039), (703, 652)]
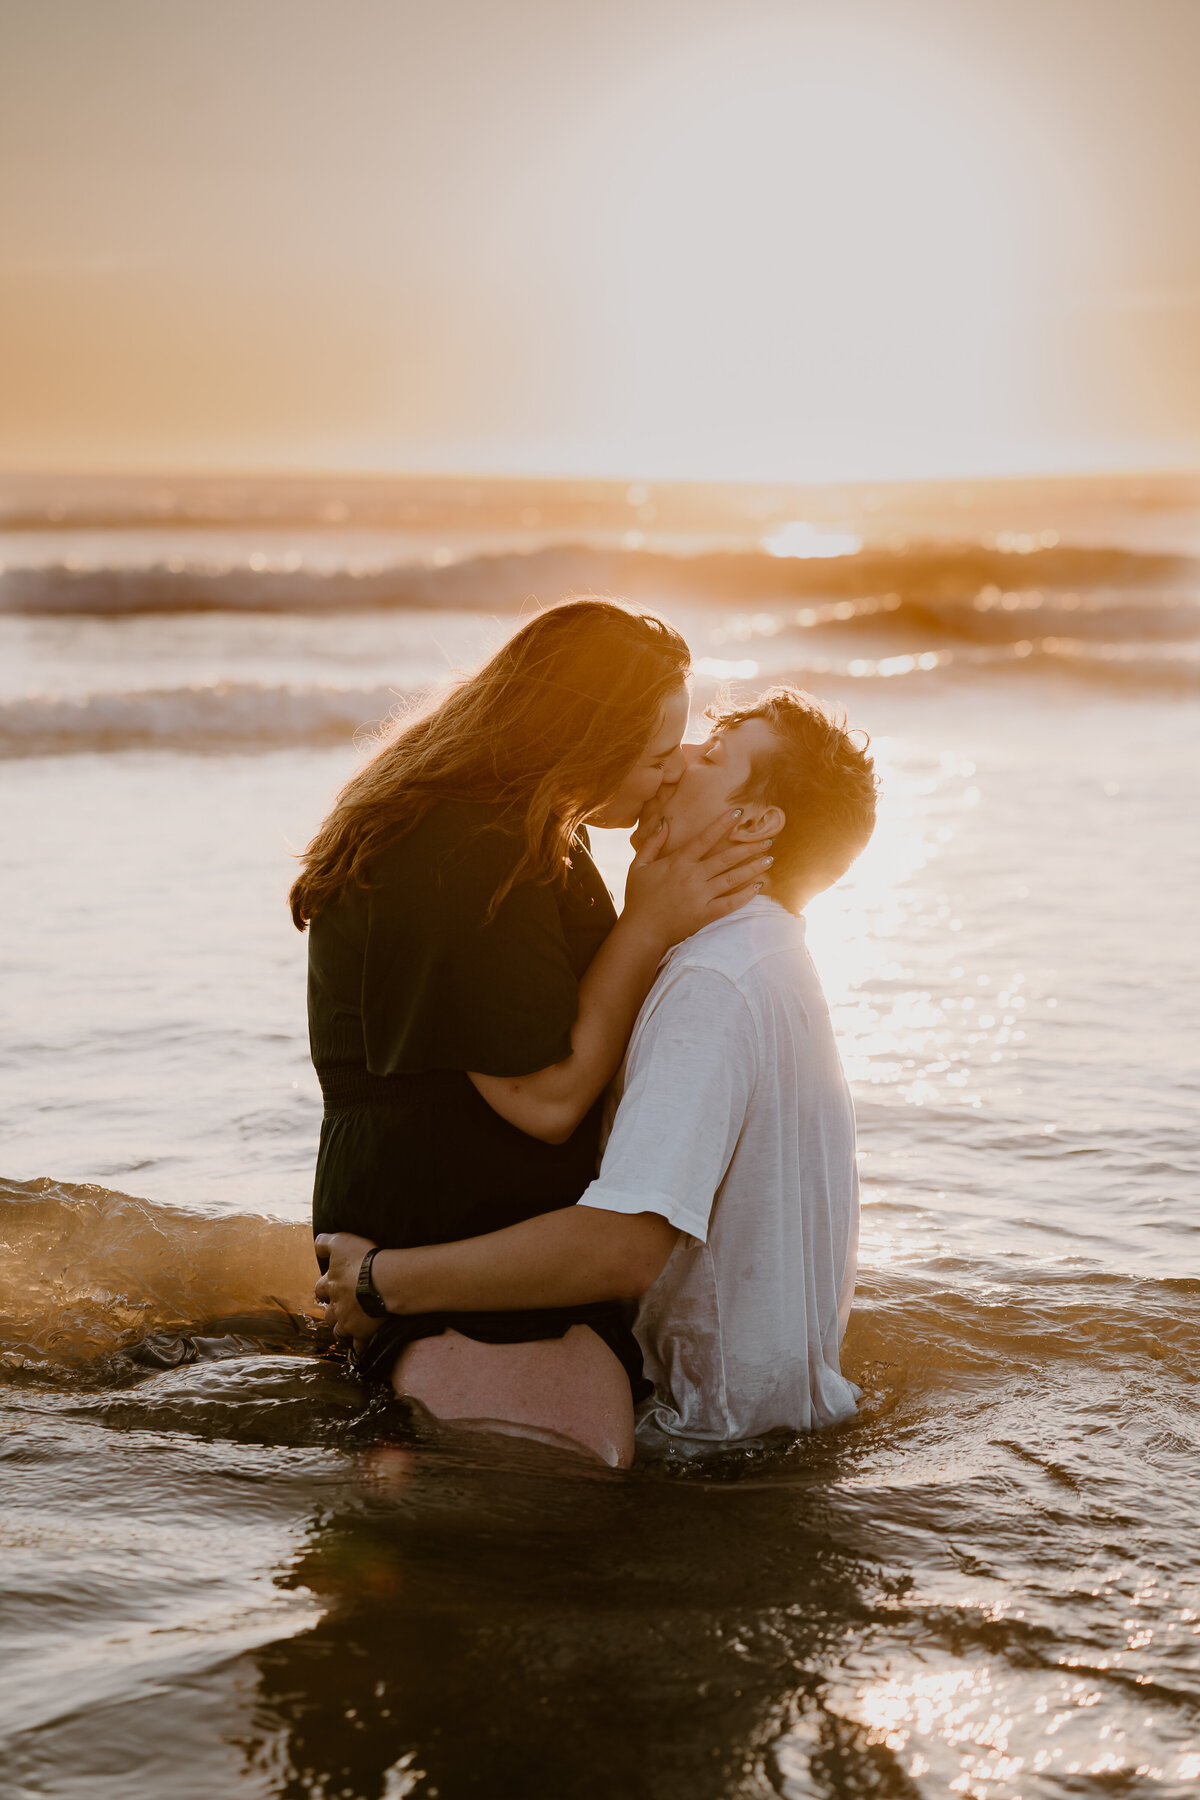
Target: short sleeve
[(688, 1080), (444, 987)]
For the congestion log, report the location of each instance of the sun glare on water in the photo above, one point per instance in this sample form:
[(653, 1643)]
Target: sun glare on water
[(799, 538), (976, 1732), (854, 927)]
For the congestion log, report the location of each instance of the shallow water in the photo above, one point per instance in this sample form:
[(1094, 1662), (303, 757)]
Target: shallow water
[(236, 1576)]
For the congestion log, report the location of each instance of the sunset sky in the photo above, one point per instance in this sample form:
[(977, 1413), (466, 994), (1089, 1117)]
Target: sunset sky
[(777, 239)]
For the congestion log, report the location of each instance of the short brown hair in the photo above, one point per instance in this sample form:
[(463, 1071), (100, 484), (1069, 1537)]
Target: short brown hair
[(820, 776)]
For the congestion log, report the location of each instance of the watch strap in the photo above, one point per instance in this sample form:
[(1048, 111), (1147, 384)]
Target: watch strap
[(369, 1298)]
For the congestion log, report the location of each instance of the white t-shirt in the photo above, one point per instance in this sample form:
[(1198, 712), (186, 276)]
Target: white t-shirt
[(735, 1123)]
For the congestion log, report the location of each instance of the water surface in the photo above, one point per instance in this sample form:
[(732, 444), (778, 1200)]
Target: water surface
[(238, 1576)]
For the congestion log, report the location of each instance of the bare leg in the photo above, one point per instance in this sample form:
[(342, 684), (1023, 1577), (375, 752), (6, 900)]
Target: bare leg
[(570, 1390)]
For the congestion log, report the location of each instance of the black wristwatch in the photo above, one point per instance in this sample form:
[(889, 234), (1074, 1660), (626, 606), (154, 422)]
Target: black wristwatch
[(369, 1298)]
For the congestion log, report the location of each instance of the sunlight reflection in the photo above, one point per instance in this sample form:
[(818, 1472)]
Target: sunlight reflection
[(896, 1709), (853, 928), (975, 1729), (802, 539), (886, 666), (913, 1022)]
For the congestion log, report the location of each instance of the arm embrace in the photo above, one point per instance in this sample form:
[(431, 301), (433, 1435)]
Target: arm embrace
[(566, 1258), (669, 895)]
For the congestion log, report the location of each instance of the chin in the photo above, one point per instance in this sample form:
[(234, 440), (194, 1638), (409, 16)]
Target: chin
[(611, 818)]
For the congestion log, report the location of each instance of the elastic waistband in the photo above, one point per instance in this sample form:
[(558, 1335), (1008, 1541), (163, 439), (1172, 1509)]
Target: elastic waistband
[(346, 1087)]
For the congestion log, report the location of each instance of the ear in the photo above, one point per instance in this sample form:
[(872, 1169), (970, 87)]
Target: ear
[(758, 821)]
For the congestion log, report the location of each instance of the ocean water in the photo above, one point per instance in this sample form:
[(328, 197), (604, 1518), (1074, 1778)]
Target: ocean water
[(226, 1570)]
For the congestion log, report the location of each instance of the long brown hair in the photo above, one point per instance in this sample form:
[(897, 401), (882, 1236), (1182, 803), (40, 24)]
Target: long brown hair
[(547, 731)]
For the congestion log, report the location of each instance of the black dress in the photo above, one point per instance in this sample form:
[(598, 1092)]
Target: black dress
[(409, 986)]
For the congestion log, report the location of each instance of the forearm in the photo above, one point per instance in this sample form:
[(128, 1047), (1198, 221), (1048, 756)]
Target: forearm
[(611, 992), (565, 1258), (667, 898)]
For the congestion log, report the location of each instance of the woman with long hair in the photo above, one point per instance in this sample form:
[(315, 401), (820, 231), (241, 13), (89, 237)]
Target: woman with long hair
[(471, 990)]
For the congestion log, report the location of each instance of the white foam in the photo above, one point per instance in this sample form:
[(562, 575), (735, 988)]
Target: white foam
[(216, 715)]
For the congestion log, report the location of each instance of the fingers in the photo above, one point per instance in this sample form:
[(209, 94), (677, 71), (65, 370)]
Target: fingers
[(651, 849), (747, 882), (331, 1318), (713, 834), (727, 903), (732, 879), (321, 1291), (734, 856)]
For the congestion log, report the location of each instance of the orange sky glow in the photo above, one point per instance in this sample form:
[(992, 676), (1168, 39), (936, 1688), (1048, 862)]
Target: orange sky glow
[(791, 240)]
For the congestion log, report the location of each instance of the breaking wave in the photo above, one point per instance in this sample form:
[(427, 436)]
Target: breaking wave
[(220, 715), (227, 715), (1106, 617), (88, 1273), (939, 576)]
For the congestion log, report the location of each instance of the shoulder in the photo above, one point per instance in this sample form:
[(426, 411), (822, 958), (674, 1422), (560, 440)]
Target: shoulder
[(450, 823), (752, 966), (439, 876), (695, 1009), (455, 838), (760, 941)]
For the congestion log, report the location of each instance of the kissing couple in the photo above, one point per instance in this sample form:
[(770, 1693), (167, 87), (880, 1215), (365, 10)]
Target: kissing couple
[(584, 1174)]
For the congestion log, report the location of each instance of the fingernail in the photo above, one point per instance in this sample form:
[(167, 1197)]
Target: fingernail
[(738, 811), (767, 861), (758, 887)]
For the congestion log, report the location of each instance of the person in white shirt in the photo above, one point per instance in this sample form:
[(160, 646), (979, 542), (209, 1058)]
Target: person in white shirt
[(727, 1197)]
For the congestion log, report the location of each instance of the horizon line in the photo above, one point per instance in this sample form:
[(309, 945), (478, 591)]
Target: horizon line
[(189, 473)]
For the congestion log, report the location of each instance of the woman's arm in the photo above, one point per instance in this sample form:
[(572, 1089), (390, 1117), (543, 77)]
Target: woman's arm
[(668, 896), (564, 1258)]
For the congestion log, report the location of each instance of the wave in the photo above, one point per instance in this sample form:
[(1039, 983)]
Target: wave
[(88, 1272), (219, 715), (944, 578), (227, 715), (994, 615), (1172, 668)]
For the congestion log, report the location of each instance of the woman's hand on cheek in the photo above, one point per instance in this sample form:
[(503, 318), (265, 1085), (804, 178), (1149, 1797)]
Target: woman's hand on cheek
[(673, 893), (648, 825), (342, 1253)]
